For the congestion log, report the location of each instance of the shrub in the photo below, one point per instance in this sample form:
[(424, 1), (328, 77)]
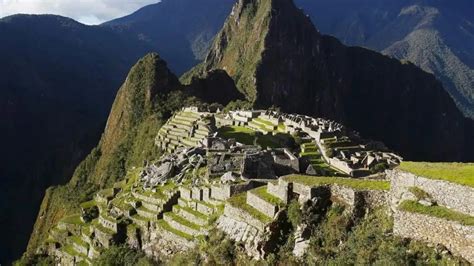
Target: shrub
[(419, 193), (294, 213), (122, 255)]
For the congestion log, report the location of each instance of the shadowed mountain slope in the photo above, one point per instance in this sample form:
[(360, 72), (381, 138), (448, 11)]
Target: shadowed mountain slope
[(277, 57)]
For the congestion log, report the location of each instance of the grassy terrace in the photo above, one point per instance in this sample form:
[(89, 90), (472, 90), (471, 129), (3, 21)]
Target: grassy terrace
[(262, 193), (460, 173), (73, 219), (263, 121), (168, 228), (437, 211), (240, 201), (101, 228), (183, 221), (69, 249), (88, 204), (247, 136), (77, 240), (359, 184), (192, 211)]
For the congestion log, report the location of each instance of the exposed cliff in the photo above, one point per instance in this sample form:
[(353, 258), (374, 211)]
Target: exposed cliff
[(277, 57)]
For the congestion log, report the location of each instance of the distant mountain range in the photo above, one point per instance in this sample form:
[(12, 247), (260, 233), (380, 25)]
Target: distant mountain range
[(59, 77), (436, 35)]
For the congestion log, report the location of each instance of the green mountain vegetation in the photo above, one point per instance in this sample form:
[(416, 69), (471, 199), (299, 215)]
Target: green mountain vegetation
[(270, 52), (148, 97), (62, 76)]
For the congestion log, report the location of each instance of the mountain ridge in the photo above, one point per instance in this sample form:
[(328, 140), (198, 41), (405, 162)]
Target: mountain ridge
[(302, 71)]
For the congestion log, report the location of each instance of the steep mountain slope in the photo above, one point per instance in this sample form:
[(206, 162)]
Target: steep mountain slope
[(131, 119), (277, 57), (180, 30), (147, 98), (57, 80), (437, 36)]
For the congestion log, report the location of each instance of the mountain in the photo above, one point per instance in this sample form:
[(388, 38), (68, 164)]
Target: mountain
[(180, 30), (60, 78), (57, 81), (278, 58), (147, 98), (436, 35)]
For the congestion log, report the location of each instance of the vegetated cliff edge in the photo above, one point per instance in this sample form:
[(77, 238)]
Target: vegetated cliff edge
[(277, 57)]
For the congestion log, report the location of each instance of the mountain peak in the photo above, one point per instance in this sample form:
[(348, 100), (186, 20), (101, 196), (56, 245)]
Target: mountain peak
[(277, 57), (253, 28), (136, 98)]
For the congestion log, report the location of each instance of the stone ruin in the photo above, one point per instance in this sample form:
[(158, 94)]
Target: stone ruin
[(174, 167)]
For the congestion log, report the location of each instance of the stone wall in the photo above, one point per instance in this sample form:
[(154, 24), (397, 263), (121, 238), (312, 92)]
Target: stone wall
[(450, 195), (240, 215), (457, 238), (224, 192), (261, 205), (240, 231), (279, 191)]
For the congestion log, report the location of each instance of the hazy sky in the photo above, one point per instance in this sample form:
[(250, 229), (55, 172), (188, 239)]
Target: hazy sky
[(85, 11)]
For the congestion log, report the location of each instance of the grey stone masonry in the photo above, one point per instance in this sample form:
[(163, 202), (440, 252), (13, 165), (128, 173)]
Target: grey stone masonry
[(225, 191), (450, 195), (457, 238), (261, 205), (185, 193), (180, 227), (190, 216), (197, 193), (279, 191), (243, 216)]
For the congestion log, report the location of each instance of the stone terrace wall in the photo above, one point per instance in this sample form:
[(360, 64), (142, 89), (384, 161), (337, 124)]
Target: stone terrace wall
[(457, 238), (450, 195)]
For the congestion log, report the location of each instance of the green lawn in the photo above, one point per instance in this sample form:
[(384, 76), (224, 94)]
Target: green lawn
[(359, 184), (247, 136), (461, 173), (437, 211)]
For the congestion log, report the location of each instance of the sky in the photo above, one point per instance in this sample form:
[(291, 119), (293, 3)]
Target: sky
[(89, 12)]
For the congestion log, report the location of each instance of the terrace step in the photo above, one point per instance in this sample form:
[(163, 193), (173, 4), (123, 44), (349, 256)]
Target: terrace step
[(140, 221), (191, 215), (175, 233), (263, 201), (79, 245), (152, 206), (147, 213), (181, 224), (203, 207)]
